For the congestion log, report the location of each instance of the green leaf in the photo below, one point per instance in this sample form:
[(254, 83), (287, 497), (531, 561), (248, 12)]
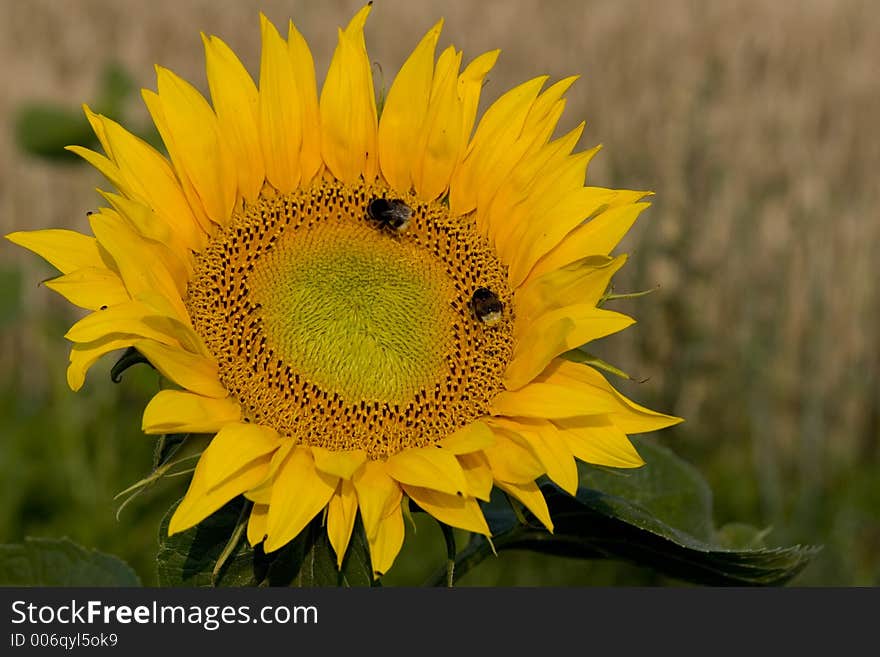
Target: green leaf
[(669, 488), (61, 562), (44, 129), (658, 516), (189, 558)]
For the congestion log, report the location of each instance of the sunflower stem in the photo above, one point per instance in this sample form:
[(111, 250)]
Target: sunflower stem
[(477, 549), (449, 537), (234, 539)]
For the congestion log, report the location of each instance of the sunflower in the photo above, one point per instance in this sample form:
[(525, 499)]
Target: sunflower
[(365, 310)]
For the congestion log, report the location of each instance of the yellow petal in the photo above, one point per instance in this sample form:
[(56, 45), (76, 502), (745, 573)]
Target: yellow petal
[(204, 156), (280, 112), (256, 529), (439, 147), (148, 177), (193, 372), (66, 250), (561, 176), (104, 165), (471, 438), (140, 264), (518, 188), (299, 493), (386, 544), (511, 461), (377, 493), (349, 139), (97, 123), (140, 217), (470, 84), (307, 89), (545, 103), (83, 356), (546, 443), (130, 318), (200, 221), (237, 104), (91, 288), (261, 493), (178, 411), (598, 236), (201, 501), (542, 234), (586, 381), (454, 510), (154, 228), (235, 444), (556, 332), (488, 158), (428, 467), (537, 128), (341, 514), (532, 498), (478, 473), (341, 464), (583, 281), (404, 112), (552, 401), (598, 440)]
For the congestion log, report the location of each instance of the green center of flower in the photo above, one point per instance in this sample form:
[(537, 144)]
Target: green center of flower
[(359, 312), (342, 332)]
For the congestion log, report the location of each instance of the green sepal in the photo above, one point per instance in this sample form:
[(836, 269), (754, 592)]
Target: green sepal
[(586, 358), (129, 357)]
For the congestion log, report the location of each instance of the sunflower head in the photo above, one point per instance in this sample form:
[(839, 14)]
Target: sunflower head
[(365, 310)]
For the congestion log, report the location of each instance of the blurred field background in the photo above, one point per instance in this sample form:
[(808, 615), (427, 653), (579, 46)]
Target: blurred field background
[(754, 122)]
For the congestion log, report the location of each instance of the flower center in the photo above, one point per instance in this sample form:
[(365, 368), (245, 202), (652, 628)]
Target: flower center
[(359, 313), (342, 332)]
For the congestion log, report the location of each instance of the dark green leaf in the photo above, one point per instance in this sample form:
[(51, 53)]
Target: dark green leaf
[(44, 130), (189, 558), (61, 562), (658, 516), (667, 487)]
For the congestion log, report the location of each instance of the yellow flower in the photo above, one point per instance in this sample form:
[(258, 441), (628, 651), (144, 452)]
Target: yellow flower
[(365, 310)]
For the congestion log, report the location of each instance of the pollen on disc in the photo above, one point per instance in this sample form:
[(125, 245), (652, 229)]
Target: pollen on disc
[(344, 335), (358, 313)]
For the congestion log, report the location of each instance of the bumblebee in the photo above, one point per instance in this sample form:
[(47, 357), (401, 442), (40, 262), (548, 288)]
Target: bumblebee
[(487, 306), (391, 214)]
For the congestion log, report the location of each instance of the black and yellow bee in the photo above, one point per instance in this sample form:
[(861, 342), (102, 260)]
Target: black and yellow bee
[(391, 214), (486, 305)]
